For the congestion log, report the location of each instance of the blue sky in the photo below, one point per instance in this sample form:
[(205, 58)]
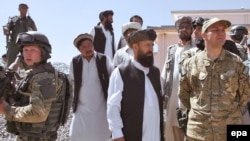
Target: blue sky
[(63, 20)]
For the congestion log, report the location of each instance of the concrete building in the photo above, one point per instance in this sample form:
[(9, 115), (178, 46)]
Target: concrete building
[(167, 35)]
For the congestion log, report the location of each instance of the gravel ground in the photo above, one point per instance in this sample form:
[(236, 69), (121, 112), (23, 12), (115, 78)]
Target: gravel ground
[(63, 132)]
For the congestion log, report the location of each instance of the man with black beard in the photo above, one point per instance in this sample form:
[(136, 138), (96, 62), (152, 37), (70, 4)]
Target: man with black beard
[(170, 77), (134, 106), (104, 39)]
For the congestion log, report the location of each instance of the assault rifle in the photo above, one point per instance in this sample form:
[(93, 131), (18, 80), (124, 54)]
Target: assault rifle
[(5, 84)]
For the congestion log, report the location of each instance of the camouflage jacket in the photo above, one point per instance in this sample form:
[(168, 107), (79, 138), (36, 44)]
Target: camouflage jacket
[(215, 92), (41, 92)]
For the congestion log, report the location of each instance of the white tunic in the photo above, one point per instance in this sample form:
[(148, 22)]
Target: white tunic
[(89, 122), (151, 115), (108, 44), (123, 55), (174, 101)]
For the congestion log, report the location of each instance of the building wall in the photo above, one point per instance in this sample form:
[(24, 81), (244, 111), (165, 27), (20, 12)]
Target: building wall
[(164, 40)]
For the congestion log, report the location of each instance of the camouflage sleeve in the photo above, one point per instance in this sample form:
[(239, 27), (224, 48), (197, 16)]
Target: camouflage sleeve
[(185, 55), (42, 92), (185, 90), (244, 85)]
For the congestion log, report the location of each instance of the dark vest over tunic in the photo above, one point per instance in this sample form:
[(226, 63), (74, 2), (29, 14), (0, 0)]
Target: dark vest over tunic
[(102, 73), (100, 40), (133, 96)]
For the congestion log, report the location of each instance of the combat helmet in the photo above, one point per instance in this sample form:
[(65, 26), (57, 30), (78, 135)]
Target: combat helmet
[(237, 32), (34, 37), (197, 21)]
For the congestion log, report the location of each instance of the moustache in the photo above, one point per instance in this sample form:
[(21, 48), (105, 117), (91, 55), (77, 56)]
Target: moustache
[(149, 53), (89, 52)]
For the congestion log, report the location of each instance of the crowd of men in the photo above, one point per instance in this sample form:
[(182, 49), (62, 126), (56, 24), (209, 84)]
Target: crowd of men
[(118, 93)]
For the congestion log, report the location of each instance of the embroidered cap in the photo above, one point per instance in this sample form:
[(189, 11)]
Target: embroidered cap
[(82, 37), (141, 35), (130, 25)]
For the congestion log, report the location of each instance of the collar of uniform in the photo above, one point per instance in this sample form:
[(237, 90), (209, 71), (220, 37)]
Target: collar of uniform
[(222, 55), (203, 55), (140, 67)]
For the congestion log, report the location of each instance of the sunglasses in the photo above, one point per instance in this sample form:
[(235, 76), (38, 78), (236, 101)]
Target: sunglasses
[(26, 38)]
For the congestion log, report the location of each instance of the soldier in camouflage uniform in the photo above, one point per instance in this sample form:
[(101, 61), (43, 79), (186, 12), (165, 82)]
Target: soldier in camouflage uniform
[(214, 86), (238, 34), (17, 24), (199, 41), (31, 112)]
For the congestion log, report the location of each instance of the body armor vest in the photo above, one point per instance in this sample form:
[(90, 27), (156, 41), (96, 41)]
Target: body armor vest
[(43, 130)]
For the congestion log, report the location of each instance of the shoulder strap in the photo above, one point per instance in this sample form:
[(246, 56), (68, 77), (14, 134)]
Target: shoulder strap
[(65, 97)]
